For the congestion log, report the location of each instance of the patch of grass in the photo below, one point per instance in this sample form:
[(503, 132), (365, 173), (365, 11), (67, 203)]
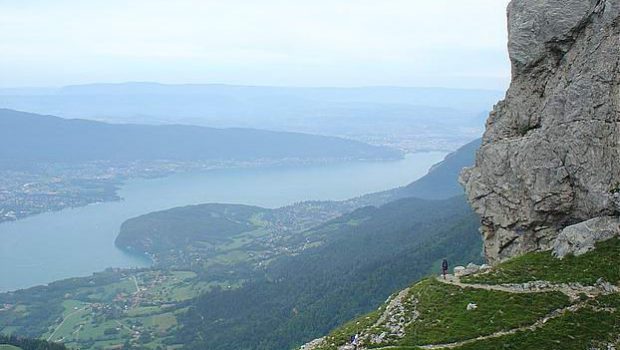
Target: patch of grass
[(143, 311), (574, 331), (109, 291), (74, 310), (608, 301), (231, 257), (161, 322), (444, 317), (586, 269)]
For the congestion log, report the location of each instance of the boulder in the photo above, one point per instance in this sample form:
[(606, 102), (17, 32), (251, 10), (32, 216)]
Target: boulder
[(459, 271), (485, 267), (471, 306), (580, 238)]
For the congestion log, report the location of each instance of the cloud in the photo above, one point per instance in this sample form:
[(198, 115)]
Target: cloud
[(293, 42)]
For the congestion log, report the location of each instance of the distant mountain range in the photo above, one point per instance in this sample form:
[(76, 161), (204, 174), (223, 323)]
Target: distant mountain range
[(408, 118), (37, 138), (204, 99)]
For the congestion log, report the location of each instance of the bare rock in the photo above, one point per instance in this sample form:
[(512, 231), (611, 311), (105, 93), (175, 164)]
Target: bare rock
[(313, 344), (580, 238), (550, 155), (459, 271)]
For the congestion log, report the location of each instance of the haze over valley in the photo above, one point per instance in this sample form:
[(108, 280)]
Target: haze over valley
[(409, 119)]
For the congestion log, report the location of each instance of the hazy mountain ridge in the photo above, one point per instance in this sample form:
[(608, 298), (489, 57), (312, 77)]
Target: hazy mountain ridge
[(412, 119), (36, 138)]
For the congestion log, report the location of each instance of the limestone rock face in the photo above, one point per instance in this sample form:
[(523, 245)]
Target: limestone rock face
[(550, 155), (580, 238)]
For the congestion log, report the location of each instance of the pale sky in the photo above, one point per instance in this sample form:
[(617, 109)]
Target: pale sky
[(452, 43)]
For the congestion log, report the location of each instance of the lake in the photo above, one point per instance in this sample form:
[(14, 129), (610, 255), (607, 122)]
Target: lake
[(80, 241)]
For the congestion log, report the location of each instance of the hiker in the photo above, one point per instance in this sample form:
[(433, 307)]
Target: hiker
[(444, 268)]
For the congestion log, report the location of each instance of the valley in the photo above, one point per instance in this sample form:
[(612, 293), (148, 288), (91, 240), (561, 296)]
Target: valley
[(310, 175), (226, 251), (154, 307)]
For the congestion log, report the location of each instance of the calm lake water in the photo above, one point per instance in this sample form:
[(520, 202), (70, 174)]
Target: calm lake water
[(78, 242)]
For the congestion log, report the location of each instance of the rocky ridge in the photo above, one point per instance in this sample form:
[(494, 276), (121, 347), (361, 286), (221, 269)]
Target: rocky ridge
[(549, 157)]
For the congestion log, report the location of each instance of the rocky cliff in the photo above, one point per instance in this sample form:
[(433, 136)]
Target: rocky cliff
[(550, 154)]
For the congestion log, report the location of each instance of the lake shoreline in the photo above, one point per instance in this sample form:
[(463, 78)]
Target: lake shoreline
[(52, 246), (113, 185)]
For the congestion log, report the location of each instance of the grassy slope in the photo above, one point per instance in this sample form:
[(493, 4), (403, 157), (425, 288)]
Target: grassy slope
[(444, 319), (586, 269)]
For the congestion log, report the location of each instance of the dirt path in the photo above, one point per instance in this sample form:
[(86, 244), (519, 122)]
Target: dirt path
[(135, 281), (573, 291)]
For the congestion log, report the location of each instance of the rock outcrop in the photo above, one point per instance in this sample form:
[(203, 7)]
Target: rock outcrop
[(581, 238), (550, 156)]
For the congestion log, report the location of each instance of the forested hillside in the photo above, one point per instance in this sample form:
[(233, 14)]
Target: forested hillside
[(16, 343), (442, 180), (366, 255)]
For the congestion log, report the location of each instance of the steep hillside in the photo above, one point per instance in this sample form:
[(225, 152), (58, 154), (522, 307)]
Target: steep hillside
[(36, 138), (441, 182), (350, 266), (529, 303)]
